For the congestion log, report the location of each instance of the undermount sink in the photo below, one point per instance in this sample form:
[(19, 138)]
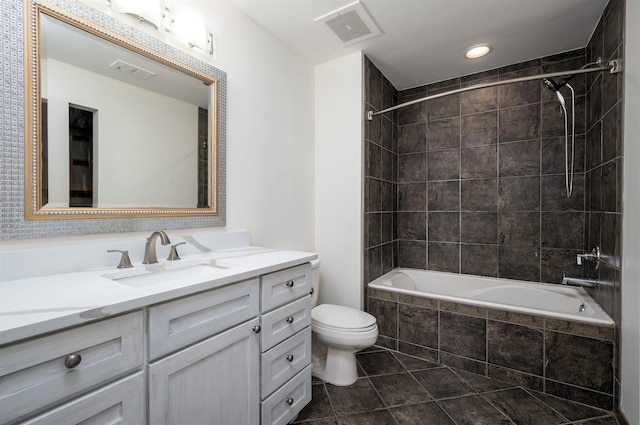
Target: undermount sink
[(154, 274)]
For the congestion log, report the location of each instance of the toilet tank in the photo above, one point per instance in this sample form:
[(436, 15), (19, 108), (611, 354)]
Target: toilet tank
[(315, 281)]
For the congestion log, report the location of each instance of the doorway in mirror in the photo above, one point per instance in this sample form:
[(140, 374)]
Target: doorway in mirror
[(80, 156)]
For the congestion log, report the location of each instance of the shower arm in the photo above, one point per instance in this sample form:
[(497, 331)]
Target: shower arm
[(614, 67)]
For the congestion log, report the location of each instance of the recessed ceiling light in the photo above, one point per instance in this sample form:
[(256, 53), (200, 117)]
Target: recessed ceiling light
[(478, 51)]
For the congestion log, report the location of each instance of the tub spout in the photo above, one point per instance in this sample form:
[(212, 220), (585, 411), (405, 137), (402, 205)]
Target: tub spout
[(578, 281)]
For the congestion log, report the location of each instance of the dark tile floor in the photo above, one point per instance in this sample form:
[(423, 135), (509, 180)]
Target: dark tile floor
[(397, 389)]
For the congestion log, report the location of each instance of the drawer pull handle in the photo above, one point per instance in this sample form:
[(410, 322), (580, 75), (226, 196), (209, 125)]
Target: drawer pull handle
[(289, 357), (289, 401), (72, 360), (289, 319), (256, 329), (290, 284)]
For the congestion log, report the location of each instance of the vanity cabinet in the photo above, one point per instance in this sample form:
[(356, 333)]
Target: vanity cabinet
[(236, 354), (52, 369), (285, 344), (213, 381)]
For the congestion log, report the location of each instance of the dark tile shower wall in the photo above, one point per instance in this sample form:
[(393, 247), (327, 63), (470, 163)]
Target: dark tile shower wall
[(603, 166), (380, 168), (481, 176), (474, 182)]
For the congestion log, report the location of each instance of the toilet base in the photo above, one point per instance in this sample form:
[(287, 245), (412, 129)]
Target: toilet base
[(338, 367)]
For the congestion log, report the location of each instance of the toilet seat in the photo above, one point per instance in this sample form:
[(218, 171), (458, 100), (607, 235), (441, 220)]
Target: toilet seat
[(345, 319)]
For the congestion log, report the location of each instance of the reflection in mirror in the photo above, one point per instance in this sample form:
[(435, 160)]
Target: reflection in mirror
[(120, 130)]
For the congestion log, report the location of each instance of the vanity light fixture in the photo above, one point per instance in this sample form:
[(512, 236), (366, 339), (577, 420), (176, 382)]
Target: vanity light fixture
[(145, 10), (188, 26), (178, 20), (477, 51)]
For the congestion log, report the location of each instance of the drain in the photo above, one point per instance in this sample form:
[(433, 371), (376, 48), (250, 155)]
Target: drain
[(581, 309)]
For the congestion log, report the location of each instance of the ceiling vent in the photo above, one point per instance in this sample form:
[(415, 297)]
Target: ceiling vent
[(350, 23), (134, 71)]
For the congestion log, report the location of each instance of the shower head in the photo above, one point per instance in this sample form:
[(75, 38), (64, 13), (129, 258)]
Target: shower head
[(555, 87), (561, 99), (552, 85)]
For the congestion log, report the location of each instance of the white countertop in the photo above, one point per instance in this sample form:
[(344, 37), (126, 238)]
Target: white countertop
[(41, 304)]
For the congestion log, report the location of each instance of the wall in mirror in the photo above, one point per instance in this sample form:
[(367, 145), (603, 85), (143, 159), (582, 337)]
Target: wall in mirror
[(101, 153)]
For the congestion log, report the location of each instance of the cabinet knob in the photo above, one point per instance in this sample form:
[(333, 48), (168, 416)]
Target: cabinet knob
[(72, 360), (289, 401), (290, 284), (289, 319), (256, 329), (289, 357)]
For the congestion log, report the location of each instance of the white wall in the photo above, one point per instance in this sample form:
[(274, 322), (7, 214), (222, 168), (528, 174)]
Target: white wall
[(338, 164), (630, 345), (140, 147), (270, 174)]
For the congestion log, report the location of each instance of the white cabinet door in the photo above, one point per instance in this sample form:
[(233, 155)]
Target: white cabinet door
[(214, 382)]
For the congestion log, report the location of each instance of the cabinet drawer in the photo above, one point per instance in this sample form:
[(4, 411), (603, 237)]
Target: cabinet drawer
[(33, 374), (283, 361), (284, 286), (182, 322), (285, 404), (284, 322), (119, 403)]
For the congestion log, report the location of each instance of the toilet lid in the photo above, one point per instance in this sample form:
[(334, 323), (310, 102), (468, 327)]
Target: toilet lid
[(337, 316)]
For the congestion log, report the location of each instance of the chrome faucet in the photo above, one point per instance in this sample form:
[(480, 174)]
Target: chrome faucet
[(593, 256), (150, 256), (578, 281)]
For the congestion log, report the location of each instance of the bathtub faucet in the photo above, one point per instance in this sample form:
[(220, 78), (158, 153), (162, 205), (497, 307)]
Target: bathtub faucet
[(577, 281)]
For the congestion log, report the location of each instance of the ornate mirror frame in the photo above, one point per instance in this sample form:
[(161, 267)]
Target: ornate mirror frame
[(110, 29)]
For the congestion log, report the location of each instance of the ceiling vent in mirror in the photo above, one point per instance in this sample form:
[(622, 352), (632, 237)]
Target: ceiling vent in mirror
[(350, 23), (134, 71)]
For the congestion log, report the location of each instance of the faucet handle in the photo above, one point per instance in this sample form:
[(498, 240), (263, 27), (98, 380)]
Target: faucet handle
[(173, 254), (125, 262)]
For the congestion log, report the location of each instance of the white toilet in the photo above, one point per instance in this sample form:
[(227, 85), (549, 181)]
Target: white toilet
[(338, 332)]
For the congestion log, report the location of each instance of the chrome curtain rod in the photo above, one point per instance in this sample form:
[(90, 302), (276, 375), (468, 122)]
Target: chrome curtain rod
[(613, 67)]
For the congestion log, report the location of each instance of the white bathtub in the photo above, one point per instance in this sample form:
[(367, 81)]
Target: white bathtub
[(551, 300)]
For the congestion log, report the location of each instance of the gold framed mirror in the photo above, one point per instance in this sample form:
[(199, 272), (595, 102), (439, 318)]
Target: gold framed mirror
[(114, 129)]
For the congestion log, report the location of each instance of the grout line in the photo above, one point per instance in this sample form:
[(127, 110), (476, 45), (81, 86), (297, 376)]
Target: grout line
[(496, 407), (528, 391)]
